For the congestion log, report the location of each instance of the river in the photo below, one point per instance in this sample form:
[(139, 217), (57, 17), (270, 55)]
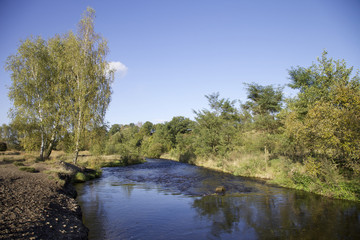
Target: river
[(163, 199)]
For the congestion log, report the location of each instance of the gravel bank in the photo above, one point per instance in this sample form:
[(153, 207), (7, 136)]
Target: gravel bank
[(34, 207)]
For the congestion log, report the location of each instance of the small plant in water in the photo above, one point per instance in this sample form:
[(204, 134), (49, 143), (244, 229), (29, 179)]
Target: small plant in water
[(79, 177)]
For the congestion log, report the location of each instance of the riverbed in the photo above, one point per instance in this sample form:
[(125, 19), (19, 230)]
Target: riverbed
[(163, 199)]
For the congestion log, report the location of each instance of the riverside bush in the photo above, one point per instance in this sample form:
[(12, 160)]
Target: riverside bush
[(155, 150), (79, 177), (3, 147)]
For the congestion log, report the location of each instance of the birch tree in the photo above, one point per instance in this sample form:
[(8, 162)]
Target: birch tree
[(90, 78), (60, 86), (39, 92), (32, 100)]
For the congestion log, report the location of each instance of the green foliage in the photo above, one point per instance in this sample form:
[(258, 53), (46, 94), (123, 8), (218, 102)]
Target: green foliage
[(32, 77), (313, 167), (114, 129), (79, 177), (185, 147), (324, 118), (89, 78), (216, 131), (302, 181), (263, 99), (178, 125), (59, 86), (10, 136), (155, 150), (147, 129), (95, 174), (324, 178), (66, 143), (97, 140), (318, 82)]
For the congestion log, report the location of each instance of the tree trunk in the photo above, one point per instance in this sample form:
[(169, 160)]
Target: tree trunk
[(51, 146), (267, 156), (76, 155), (42, 148), (77, 137)]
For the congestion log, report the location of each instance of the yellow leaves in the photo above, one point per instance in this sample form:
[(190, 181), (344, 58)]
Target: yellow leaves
[(312, 167), (331, 128), (322, 122)]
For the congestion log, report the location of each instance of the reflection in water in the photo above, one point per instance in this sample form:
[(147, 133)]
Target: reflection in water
[(222, 212), (128, 188), (294, 215), (165, 200)]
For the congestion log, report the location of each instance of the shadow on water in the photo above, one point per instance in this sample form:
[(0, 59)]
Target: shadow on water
[(290, 216), (163, 199)]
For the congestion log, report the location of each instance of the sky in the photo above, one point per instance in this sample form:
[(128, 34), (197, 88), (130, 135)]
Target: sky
[(170, 54)]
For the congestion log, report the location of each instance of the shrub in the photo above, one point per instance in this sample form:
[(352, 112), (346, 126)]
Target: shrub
[(312, 167), (113, 163), (18, 164), (3, 147), (79, 177), (28, 169), (187, 157), (303, 181), (155, 150), (94, 174)]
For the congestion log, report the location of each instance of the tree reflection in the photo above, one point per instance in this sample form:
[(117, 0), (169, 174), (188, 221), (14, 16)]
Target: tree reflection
[(128, 188), (291, 215), (221, 211)]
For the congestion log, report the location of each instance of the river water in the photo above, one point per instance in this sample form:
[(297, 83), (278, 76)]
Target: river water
[(163, 199)]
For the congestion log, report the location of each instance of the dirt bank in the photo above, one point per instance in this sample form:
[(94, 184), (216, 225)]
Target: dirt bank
[(32, 206)]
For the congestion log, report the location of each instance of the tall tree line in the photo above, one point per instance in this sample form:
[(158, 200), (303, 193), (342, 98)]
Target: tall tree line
[(319, 126)]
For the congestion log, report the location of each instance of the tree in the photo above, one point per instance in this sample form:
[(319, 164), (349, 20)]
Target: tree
[(114, 129), (60, 87), (263, 100), (222, 107), (10, 136), (216, 130), (89, 78), (31, 91), (177, 125), (326, 112), (318, 82)]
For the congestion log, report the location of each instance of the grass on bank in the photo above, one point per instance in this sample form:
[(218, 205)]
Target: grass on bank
[(88, 166), (27, 169), (93, 163), (322, 178)]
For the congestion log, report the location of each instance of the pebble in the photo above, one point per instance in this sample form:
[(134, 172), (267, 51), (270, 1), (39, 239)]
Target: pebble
[(29, 214)]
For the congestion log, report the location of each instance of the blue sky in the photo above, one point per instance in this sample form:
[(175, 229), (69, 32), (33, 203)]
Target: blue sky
[(175, 52)]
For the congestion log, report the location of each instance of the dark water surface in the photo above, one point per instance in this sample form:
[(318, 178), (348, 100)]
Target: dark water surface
[(162, 199)]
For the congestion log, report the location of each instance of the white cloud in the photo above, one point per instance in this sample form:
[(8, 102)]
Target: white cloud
[(119, 68)]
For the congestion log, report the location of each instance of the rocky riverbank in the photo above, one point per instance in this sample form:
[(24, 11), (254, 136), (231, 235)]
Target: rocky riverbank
[(34, 206)]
